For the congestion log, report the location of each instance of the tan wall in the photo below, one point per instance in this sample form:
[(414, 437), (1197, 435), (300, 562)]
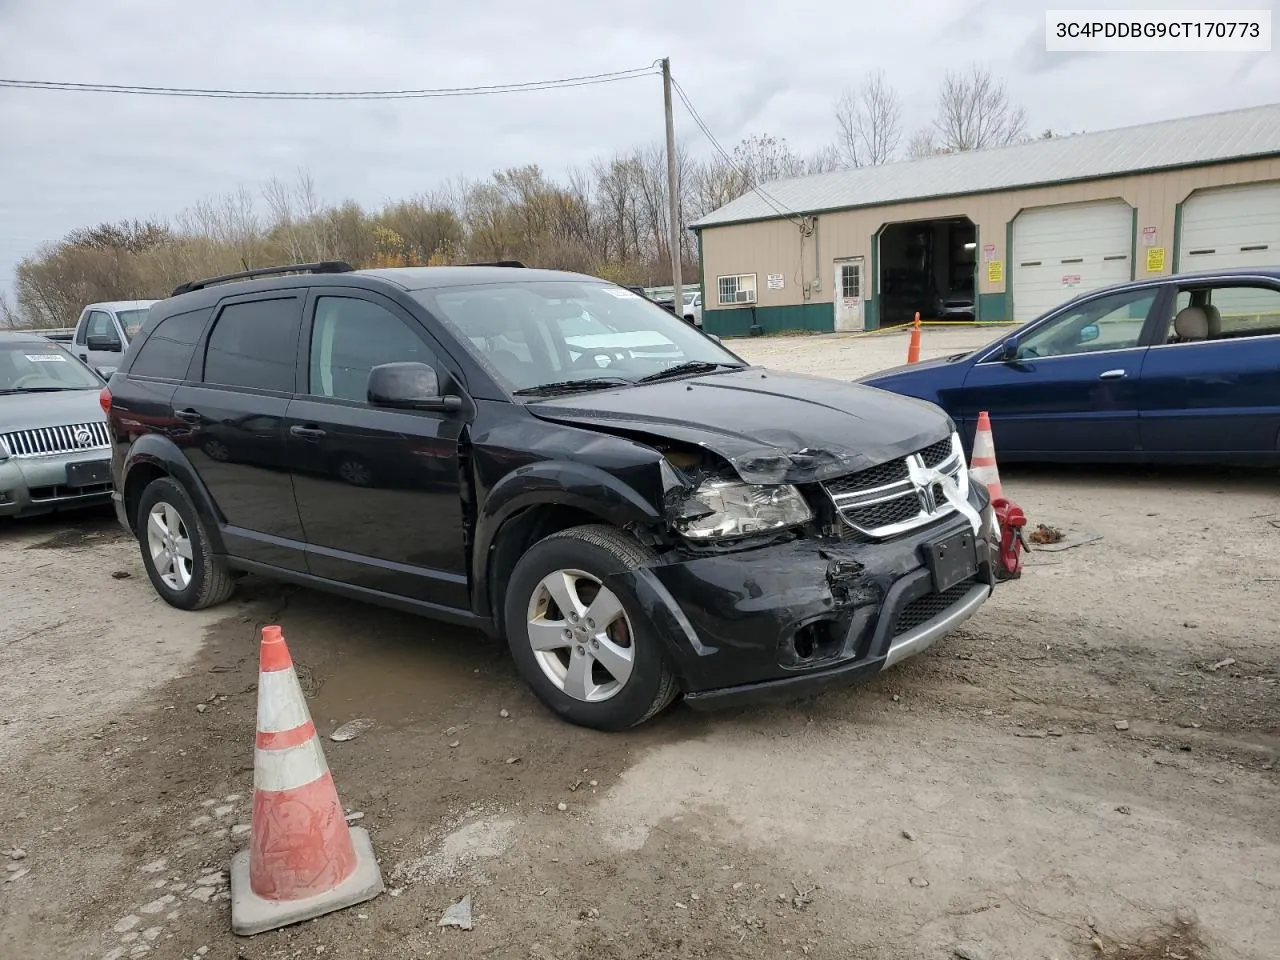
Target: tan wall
[(775, 246)]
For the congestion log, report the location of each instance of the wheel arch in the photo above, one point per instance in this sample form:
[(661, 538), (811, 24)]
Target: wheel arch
[(152, 457), (535, 502)]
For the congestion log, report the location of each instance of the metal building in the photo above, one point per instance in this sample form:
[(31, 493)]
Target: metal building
[(998, 234)]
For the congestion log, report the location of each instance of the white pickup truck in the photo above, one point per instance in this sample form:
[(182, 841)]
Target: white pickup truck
[(104, 331)]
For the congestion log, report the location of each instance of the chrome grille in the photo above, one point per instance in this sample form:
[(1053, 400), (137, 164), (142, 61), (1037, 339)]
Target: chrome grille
[(894, 497), (48, 441)]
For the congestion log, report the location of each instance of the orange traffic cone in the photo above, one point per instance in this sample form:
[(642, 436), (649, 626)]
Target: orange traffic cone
[(982, 467), (913, 350), (303, 860)]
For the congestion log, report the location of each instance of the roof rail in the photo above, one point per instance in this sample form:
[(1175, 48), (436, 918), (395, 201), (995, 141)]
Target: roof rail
[(494, 263), (323, 266)]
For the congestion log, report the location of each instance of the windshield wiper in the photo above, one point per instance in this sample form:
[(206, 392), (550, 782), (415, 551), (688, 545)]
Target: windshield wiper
[(691, 366), (571, 386), (10, 390)]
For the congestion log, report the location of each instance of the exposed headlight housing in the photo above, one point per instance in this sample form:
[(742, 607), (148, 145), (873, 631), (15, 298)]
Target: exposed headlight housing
[(726, 509)]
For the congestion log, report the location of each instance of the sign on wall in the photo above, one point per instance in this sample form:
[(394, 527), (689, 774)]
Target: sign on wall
[(988, 252), (995, 271), (1148, 236), (1155, 259), (775, 281), (1071, 280)]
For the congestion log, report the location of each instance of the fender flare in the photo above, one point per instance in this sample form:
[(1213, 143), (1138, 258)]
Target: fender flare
[(162, 453)]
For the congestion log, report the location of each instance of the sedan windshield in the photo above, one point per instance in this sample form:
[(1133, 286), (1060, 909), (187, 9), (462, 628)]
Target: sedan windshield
[(553, 334), (34, 367)]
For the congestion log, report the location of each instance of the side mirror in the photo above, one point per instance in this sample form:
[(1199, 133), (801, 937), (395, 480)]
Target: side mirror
[(105, 372), (1010, 351), (1088, 333), (104, 344), (409, 386)]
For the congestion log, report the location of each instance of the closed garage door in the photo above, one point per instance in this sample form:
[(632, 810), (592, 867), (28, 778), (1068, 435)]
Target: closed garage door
[(1230, 227), (1064, 250)]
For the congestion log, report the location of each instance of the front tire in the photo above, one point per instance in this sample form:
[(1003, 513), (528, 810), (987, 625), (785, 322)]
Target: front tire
[(176, 551), (584, 647)]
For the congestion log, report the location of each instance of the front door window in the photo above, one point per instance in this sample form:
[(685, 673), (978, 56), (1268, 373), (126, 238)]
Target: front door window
[(1107, 323)]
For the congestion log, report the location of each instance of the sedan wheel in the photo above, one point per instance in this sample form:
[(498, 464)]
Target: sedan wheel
[(581, 636), (170, 546)]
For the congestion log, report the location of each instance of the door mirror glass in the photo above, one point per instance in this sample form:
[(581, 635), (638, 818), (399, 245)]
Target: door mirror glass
[(408, 386), (1088, 333), (104, 344), (1010, 351)]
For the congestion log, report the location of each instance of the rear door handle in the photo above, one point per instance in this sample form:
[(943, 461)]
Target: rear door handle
[(306, 433), (191, 416), (1112, 375)]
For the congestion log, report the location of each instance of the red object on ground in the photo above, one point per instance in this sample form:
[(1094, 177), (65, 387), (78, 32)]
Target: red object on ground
[(1012, 520), (913, 349)]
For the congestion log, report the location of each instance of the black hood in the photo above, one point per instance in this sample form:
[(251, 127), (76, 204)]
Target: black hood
[(773, 427)]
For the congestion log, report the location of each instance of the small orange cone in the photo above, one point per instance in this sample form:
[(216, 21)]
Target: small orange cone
[(982, 467), (303, 860), (913, 350)]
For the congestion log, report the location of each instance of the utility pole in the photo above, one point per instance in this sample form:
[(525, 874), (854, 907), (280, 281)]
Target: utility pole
[(673, 192)]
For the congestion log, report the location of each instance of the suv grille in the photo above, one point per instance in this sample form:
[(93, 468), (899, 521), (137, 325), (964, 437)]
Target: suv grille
[(892, 498), (923, 609), (47, 441)]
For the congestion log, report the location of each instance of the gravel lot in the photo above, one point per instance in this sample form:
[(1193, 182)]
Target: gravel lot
[(1092, 758)]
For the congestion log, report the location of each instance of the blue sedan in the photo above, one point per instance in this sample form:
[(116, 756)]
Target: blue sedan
[(1181, 369)]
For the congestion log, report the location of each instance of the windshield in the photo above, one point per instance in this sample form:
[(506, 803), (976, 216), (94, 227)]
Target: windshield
[(34, 367), (689, 298), (132, 321), (562, 332)]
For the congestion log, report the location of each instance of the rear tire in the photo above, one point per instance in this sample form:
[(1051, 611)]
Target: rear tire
[(597, 663), (176, 550)]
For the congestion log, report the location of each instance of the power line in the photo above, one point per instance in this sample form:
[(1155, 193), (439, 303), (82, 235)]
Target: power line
[(777, 205), (64, 86)]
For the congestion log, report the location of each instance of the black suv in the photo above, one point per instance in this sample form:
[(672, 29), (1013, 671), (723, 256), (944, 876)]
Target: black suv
[(550, 458)]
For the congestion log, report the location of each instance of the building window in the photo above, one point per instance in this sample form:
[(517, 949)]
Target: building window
[(737, 289), (851, 281)]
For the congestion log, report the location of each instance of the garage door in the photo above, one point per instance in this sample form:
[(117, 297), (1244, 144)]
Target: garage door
[(1064, 250), (1230, 227)]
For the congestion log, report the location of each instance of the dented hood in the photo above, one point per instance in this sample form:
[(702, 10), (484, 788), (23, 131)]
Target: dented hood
[(773, 427)]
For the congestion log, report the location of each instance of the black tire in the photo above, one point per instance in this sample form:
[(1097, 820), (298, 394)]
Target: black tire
[(211, 581), (600, 551)]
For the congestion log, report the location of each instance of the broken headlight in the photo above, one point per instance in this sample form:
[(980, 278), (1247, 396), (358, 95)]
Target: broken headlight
[(723, 509)]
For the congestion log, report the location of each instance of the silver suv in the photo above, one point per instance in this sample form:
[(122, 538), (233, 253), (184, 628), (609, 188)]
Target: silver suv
[(54, 450)]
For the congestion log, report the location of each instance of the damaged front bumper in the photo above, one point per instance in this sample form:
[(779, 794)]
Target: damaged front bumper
[(793, 619)]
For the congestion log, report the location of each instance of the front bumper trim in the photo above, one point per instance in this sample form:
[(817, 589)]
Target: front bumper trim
[(922, 637)]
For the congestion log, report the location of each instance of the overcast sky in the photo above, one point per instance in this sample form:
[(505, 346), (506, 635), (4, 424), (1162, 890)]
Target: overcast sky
[(749, 66)]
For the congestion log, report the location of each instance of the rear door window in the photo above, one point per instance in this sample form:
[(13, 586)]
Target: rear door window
[(254, 345), (166, 353)]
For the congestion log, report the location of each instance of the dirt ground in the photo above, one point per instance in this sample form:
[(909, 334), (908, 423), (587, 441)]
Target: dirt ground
[(1090, 762)]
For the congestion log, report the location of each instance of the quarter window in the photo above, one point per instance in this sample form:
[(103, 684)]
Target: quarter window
[(166, 353), (349, 338), (255, 345), (740, 288)]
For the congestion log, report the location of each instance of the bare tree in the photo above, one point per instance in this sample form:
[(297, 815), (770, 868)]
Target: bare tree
[(870, 118), (923, 143), (10, 319), (974, 111), (824, 160)]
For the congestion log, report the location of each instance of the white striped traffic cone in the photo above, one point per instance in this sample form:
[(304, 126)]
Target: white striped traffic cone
[(982, 466), (303, 860)]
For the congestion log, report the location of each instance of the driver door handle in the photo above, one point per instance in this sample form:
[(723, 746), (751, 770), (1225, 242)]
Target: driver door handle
[(1112, 375), (189, 415), (306, 433)]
